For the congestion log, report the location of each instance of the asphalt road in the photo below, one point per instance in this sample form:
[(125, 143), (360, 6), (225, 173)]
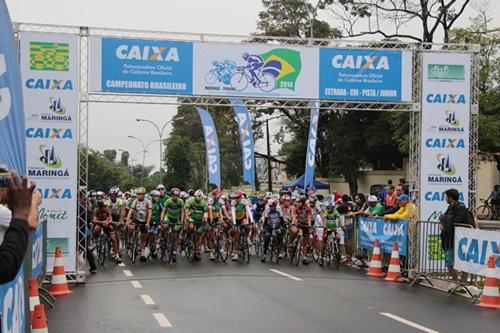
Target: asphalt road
[(236, 297)]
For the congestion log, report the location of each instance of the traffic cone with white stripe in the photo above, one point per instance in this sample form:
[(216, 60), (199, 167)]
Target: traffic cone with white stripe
[(491, 296), (34, 298), (375, 268), (59, 284), (394, 271), (39, 324)]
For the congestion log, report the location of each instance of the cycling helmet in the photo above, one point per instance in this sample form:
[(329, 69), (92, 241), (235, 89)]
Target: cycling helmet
[(269, 195), (273, 202), (92, 193), (245, 56), (100, 194), (372, 198), (155, 193), (183, 194), (198, 194), (191, 192), (239, 195), (160, 187), (175, 191), (313, 199), (114, 191), (328, 205), (216, 193), (140, 190)]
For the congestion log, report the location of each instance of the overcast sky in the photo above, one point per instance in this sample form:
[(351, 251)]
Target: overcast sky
[(208, 16)]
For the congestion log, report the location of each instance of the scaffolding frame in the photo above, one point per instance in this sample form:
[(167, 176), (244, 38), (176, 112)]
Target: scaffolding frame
[(86, 97)]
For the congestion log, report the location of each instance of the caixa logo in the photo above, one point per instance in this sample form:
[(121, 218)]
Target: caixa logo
[(49, 84), (445, 143), (5, 98), (360, 62), (149, 53), (440, 196), (49, 133), (445, 98), (55, 193)]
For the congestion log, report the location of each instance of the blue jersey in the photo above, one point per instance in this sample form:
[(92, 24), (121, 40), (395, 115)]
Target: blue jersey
[(258, 210)]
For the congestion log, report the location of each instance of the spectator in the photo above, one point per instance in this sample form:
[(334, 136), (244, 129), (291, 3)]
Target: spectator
[(390, 198), (374, 207), (403, 183), (19, 199), (345, 204), (399, 190), (83, 225), (407, 210), (495, 201), (456, 214), (383, 193), (359, 203)]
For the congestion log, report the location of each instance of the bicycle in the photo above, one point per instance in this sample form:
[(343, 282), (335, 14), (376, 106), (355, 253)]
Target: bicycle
[(274, 245), (133, 248), (294, 250), (240, 80), (166, 244), (332, 251), (485, 211), (244, 248), (221, 244), (103, 247)]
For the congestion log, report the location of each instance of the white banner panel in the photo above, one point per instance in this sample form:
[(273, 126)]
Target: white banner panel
[(250, 70), (473, 249), (49, 70), (444, 161)]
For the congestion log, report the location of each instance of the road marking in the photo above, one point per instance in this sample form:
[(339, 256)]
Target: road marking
[(147, 300), (162, 320), (136, 284), (285, 274), (121, 264), (409, 323), (127, 272)]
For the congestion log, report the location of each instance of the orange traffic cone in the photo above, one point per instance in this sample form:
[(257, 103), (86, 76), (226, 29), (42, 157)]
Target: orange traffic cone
[(375, 268), (34, 298), (59, 284), (491, 296), (394, 272), (39, 324)]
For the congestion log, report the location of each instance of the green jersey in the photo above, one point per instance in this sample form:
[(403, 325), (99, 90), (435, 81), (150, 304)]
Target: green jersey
[(216, 208), (174, 209), (163, 200), (331, 219), (156, 208), (376, 210), (240, 209), (196, 209)]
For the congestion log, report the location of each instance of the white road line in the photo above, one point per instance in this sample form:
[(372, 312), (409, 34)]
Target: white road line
[(162, 320), (147, 300), (136, 284), (127, 272), (285, 274), (409, 323), (121, 265)]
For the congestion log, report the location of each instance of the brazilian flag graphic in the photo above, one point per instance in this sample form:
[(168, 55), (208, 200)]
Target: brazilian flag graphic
[(49, 56), (284, 65)]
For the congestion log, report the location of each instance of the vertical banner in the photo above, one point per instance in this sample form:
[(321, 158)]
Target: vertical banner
[(444, 161), (311, 145), (246, 138), (212, 147), (12, 156), (49, 69)]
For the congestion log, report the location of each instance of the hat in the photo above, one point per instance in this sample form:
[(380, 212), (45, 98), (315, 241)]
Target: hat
[(403, 197), (372, 198)]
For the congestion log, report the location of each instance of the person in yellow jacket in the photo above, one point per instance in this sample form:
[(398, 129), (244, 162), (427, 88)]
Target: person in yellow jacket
[(407, 210)]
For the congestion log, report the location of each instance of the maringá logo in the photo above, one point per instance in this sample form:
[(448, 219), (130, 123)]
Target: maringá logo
[(57, 112), (452, 119), (445, 72), (445, 165), (49, 157), (276, 69), (56, 107), (49, 56)]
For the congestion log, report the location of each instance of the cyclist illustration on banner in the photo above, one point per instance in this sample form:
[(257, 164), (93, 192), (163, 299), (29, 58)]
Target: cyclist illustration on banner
[(276, 69)]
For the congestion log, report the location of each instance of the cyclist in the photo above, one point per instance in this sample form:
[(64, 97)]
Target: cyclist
[(216, 214), (163, 193), (331, 224), (102, 220), (240, 221), (317, 220), (116, 204), (259, 208), (140, 211), (173, 214), (195, 213), (286, 206), (254, 64), (301, 221), (273, 218), (156, 212)]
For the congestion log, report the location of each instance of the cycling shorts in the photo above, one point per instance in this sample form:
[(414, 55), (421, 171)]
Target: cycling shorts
[(198, 226), (141, 225)]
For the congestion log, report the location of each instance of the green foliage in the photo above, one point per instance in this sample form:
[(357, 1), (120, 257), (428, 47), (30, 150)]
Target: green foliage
[(124, 158), (110, 154), (180, 160)]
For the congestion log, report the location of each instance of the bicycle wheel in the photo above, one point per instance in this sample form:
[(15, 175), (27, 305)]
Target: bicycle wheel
[(101, 250), (259, 244), (267, 82), (298, 251), (223, 247), (239, 81), (336, 253), (134, 247), (210, 78), (190, 247), (169, 247), (483, 212)]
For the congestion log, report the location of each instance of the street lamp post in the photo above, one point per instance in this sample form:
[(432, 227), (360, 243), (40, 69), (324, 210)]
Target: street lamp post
[(144, 151), (160, 134)]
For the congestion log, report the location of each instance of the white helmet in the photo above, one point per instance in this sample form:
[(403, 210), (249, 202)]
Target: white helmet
[(155, 193), (198, 194), (372, 198)]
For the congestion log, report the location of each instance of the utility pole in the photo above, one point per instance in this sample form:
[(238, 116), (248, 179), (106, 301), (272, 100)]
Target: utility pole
[(269, 178)]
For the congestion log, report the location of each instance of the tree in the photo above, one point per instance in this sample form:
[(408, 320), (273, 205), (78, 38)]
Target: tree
[(110, 154), (124, 158), (180, 160), (389, 18)]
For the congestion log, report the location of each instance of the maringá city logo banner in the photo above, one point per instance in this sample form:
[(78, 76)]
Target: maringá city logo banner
[(212, 147), (246, 138)]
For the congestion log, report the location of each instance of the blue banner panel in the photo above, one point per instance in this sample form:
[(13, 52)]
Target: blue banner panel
[(37, 258), (212, 147), (146, 66), (13, 144), (246, 138), (12, 303), (361, 75), (370, 229), (311, 145)]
